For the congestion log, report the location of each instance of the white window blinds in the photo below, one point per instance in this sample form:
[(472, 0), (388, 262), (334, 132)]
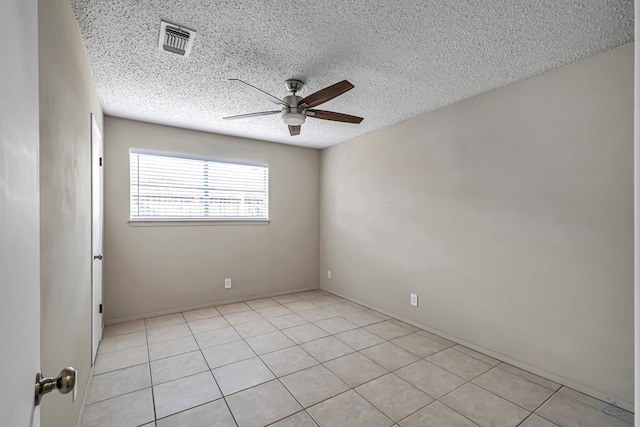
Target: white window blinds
[(173, 186)]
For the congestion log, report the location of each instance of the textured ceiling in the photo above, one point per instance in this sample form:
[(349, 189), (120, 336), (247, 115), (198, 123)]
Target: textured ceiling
[(404, 57)]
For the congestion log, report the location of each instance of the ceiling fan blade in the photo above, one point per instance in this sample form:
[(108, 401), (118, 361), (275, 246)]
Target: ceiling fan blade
[(262, 94), (244, 116), (326, 94), (336, 117), (294, 130)]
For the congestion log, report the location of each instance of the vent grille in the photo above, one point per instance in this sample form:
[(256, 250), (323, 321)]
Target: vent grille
[(175, 39)]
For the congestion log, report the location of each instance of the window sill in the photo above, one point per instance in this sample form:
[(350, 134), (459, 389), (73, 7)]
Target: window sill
[(195, 222)]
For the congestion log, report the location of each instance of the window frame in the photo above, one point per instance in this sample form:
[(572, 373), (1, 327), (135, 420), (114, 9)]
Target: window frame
[(172, 221)]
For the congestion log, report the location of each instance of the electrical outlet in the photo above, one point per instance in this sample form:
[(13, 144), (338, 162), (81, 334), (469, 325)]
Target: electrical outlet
[(328, 274), (227, 283), (414, 300)]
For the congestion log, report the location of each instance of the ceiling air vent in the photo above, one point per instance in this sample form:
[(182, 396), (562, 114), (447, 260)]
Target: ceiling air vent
[(175, 39)]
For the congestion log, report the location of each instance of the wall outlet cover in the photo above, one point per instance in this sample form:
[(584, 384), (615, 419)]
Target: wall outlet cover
[(328, 274), (414, 300), (227, 283)]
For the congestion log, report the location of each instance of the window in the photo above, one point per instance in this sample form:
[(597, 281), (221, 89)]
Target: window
[(170, 186)]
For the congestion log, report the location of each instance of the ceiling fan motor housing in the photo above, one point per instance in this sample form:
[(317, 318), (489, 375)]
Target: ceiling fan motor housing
[(293, 115)]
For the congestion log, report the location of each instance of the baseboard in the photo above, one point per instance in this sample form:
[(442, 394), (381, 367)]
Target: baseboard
[(84, 397), (199, 306), (628, 406)]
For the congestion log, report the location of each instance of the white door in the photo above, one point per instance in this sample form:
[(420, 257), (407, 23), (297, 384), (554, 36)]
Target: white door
[(96, 233), (19, 216)]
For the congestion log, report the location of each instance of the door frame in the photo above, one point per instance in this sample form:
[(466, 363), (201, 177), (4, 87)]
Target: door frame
[(97, 147)]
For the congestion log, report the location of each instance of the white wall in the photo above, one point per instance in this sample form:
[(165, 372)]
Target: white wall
[(67, 97), (19, 215), (151, 270), (510, 214)]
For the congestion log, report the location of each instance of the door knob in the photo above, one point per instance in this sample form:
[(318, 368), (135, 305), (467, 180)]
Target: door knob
[(98, 257), (64, 383)]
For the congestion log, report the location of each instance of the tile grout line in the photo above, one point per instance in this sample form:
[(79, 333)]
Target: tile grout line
[(598, 408), (558, 391), (319, 364), (276, 378), (359, 395), (267, 366), (222, 396), (489, 391), (507, 399), (259, 356), (496, 366), (450, 392), (153, 398), (461, 385), (359, 351), (401, 379), (299, 345), (322, 363), (279, 330), (539, 406), (350, 388), (500, 397), (295, 413), (504, 398), (186, 376), (534, 382), (372, 361), (152, 384)]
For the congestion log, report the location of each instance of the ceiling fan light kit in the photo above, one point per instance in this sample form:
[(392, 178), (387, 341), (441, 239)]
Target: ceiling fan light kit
[(293, 116), (295, 109)]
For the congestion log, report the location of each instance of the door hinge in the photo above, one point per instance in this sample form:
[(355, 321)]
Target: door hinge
[(100, 308), (100, 161)]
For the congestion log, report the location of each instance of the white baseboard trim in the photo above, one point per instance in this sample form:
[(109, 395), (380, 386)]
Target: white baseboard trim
[(84, 397), (628, 406), (199, 306)]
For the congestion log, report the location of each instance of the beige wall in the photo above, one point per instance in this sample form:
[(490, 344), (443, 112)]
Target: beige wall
[(510, 214), (151, 270), (67, 97)]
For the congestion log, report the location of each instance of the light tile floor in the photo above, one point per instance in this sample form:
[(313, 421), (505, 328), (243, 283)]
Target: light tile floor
[(314, 359)]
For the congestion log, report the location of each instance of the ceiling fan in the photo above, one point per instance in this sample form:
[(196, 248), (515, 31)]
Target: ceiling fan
[(295, 109)]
